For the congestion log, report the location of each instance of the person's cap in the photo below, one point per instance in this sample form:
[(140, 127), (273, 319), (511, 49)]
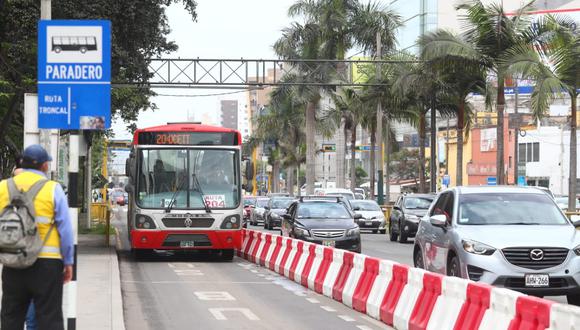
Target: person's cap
[(36, 154)]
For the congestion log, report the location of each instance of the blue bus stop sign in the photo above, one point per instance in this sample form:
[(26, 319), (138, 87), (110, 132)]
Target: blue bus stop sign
[(491, 181), (446, 180), (74, 74), (522, 180)]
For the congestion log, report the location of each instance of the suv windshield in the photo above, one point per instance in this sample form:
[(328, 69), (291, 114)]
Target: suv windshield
[(281, 203), (509, 209), (365, 205), (165, 173), (323, 211), (422, 203)]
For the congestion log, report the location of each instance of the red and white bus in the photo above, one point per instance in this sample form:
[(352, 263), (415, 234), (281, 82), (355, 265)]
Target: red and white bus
[(185, 190)]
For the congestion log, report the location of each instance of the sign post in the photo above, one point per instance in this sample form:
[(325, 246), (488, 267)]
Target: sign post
[(74, 92)]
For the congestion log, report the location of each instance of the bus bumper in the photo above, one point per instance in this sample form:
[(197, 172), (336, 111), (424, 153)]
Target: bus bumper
[(186, 240)]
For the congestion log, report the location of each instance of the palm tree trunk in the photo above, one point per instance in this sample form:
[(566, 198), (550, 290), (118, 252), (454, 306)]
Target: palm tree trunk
[(290, 171), (500, 138), (460, 124), (276, 176), (573, 154), (422, 152), (310, 147), (352, 157), (373, 152), (340, 154)]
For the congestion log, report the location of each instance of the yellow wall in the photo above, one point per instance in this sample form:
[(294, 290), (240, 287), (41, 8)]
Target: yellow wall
[(452, 161)]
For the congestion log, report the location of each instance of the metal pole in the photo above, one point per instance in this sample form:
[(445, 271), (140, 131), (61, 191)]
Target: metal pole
[(433, 165), (516, 125), (379, 139), (70, 289)]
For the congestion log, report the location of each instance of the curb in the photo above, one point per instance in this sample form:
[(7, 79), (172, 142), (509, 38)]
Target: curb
[(401, 296), (117, 319)]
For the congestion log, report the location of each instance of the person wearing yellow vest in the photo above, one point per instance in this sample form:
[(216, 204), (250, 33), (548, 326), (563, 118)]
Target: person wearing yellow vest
[(43, 281)]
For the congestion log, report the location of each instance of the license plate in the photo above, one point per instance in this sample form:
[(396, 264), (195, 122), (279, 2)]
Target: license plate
[(187, 244), (328, 243), (369, 223), (537, 280)]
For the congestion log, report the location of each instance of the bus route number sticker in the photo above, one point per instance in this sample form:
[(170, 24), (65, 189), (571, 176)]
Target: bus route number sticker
[(214, 201)]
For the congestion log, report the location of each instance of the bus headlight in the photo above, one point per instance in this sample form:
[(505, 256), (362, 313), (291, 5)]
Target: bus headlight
[(144, 222), (231, 222)]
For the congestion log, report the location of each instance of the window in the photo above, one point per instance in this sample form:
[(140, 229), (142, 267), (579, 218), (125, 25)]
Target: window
[(529, 152), (444, 205)]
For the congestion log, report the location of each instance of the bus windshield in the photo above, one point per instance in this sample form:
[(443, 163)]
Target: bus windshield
[(183, 174)]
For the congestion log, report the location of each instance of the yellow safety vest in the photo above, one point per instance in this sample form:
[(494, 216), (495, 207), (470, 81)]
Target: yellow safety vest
[(44, 207)]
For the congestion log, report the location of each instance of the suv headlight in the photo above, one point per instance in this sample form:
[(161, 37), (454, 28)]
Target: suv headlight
[(301, 232), (412, 218), (353, 232), (477, 248), (577, 250)]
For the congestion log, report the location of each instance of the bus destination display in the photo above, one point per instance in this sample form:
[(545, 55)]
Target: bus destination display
[(187, 138)]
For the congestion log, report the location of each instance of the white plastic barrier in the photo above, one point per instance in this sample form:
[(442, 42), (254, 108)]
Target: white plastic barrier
[(319, 256), (449, 303), (270, 250), (330, 279), (564, 317), (260, 248), (501, 311), (278, 266), (408, 299), (290, 259), (379, 288), (302, 262), (253, 245), (358, 268)]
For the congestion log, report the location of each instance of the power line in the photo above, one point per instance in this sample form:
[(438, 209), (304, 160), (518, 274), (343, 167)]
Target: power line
[(213, 94)]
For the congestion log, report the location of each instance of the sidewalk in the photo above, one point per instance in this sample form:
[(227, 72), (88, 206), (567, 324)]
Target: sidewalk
[(99, 301)]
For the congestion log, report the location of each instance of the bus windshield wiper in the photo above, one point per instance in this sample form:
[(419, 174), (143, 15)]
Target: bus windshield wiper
[(174, 197), (197, 187)]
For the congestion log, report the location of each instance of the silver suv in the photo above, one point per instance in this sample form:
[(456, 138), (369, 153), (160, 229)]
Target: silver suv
[(513, 237)]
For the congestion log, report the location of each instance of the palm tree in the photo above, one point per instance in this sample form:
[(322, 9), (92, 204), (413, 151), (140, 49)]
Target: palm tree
[(488, 36), (331, 28), (346, 114), (553, 61)]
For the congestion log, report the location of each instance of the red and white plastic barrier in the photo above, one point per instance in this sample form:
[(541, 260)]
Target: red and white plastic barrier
[(402, 296)]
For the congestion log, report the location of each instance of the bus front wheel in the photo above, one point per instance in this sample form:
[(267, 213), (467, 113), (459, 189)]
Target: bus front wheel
[(228, 254)]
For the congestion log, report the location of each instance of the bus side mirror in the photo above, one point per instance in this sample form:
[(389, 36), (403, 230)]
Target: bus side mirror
[(130, 166), (249, 187), (249, 169)]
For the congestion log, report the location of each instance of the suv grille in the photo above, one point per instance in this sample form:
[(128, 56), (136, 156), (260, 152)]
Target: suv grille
[(520, 256), (193, 223), (328, 233)]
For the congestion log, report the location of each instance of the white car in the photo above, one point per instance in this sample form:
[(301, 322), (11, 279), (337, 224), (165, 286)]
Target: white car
[(372, 215)]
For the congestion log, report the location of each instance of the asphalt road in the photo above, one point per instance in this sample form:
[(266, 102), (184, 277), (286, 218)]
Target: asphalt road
[(183, 291)]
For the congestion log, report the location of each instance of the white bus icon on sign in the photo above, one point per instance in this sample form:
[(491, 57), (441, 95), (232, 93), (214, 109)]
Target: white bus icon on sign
[(73, 44)]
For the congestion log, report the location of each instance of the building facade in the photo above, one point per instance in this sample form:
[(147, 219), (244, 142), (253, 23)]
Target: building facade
[(229, 114)]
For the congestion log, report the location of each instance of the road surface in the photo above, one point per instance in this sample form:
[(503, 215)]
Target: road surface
[(184, 291)]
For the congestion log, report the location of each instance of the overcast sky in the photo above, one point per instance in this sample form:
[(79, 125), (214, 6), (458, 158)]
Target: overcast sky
[(225, 29)]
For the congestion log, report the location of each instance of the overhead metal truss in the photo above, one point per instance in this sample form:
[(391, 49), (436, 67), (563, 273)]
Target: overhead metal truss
[(256, 73)]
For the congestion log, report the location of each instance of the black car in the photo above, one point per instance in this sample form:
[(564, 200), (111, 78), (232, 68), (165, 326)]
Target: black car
[(275, 209), (323, 221), (406, 214)]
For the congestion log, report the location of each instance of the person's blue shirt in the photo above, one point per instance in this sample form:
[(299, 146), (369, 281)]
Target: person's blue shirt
[(63, 222)]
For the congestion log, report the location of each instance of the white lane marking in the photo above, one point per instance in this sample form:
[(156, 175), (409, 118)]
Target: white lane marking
[(253, 270), (328, 308), (364, 327), (346, 318), (180, 265), (214, 295), (313, 300), (261, 275), (219, 315)]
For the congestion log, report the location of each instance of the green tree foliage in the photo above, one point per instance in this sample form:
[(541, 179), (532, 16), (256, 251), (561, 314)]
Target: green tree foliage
[(360, 175), (139, 32)]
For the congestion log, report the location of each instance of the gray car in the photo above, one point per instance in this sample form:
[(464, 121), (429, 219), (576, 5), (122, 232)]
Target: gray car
[(513, 237)]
